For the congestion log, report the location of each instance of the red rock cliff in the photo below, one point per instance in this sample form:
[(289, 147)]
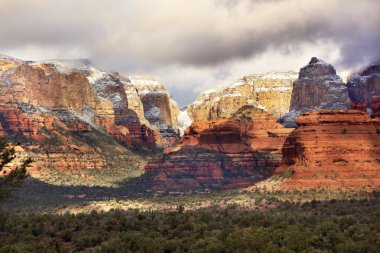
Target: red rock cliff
[(221, 154), (334, 149)]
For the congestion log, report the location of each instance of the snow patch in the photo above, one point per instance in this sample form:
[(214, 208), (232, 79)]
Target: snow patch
[(265, 89), (95, 75), (184, 121), (149, 92), (67, 66), (141, 80), (153, 112)]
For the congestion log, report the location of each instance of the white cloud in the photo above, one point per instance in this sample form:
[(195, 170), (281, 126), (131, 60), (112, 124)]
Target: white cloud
[(193, 45)]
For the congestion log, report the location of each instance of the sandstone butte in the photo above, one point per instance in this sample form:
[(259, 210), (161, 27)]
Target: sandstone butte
[(65, 113), (221, 154), (332, 149), (271, 92), (317, 87)]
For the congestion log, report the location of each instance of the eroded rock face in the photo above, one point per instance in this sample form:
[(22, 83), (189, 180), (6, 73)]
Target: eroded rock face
[(221, 153), (364, 85), (55, 108), (60, 142), (317, 87), (334, 149), (107, 101), (271, 92), (159, 109)]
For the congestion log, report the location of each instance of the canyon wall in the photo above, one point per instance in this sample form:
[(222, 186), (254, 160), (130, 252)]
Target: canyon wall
[(334, 149), (221, 154), (68, 114)]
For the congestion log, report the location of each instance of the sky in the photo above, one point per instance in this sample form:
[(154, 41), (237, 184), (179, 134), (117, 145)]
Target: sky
[(193, 46)]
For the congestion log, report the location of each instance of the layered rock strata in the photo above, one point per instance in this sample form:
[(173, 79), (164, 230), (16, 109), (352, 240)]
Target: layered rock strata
[(159, 108), (62, 142), (270, 92), (56, 108), (334, 149), (317, 87), (221, 154)]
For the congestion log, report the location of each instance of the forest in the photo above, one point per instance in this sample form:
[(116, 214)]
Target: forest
[(315, 226)]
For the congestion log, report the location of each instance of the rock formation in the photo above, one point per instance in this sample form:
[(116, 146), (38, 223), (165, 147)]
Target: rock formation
[(270, 91), (334, 149), (57, 110), (317, 87), (160, 110), (221, 153), (106, 100), (364, 85)]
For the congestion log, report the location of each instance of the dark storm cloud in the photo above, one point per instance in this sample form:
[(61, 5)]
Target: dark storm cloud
[(200, 33), (149, 36)]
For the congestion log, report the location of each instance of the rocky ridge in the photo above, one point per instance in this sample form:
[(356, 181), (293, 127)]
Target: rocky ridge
[(270, 92), (317, 87), (66, 114)]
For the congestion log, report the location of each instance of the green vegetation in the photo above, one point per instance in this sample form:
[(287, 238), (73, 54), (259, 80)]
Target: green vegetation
[(15, 177), (333, 226), (284, 175)]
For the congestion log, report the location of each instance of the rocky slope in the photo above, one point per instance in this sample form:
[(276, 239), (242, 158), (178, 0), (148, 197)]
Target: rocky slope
[(334, 149), (221, 153), (317, 87), (364, 85), (270, 91), (67, 115)]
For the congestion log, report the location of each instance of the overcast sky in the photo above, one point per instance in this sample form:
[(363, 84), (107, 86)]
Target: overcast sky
[(193, 45)]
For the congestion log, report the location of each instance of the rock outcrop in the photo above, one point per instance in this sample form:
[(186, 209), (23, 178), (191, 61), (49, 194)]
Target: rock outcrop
[(160, 110), (221, 153), (334, 149), (270, 91), (60, 142), (317, 87), (57, 110), (105, 100), (364, 85)]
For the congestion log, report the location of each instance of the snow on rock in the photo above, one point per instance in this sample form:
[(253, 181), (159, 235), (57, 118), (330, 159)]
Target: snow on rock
[(364, 84), (318, 87), (144, 80), (67, 66), (184, 121), (153, 112), (95, 75), (270, 91)]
